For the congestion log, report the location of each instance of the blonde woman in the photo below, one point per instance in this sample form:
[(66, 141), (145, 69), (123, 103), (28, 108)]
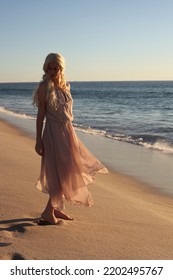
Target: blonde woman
[(67, 167)]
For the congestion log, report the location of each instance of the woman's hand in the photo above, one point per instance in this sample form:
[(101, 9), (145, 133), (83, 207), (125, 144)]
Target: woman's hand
[(39, 147)]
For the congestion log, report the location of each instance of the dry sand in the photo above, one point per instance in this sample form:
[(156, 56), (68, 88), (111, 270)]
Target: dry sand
[(128, 221)]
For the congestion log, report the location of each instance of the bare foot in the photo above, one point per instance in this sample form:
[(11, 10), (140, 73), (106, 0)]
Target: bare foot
[(61, 215), (50, 218)]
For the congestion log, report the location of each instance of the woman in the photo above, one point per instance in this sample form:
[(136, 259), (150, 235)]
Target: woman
[(67, 167)]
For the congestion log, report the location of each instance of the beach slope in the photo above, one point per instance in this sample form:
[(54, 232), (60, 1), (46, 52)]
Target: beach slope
[(128, 221)]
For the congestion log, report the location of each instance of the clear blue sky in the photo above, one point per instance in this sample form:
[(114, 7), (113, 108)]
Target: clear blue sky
[(100, 39)]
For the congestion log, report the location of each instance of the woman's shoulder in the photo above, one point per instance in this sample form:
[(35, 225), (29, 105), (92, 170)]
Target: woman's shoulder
[(42, 90), (42, 85), (39, 95)]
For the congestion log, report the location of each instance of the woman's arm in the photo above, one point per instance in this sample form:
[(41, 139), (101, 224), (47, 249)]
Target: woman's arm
[(40, 118)]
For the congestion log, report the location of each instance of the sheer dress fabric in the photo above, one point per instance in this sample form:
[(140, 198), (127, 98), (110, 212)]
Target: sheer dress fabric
[(67, 166)]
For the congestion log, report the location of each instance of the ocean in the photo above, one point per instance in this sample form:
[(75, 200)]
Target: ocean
[(140, 113)]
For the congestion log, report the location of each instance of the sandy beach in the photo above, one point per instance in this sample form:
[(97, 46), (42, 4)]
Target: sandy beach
[(129, 220)]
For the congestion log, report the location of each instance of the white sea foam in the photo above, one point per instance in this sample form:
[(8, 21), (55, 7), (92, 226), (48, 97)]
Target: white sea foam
[(160, 146), (15, 114), (89, 130)]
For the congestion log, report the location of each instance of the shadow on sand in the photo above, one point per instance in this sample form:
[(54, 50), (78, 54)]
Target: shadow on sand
[(18, 225)]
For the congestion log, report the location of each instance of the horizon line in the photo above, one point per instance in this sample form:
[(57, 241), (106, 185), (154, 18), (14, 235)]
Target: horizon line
[(90, 81)]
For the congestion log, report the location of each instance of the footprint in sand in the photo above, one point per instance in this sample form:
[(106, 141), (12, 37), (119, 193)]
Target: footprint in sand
[(12, 256), (14, 230), (4, 244), (17, 256), (19, 228)]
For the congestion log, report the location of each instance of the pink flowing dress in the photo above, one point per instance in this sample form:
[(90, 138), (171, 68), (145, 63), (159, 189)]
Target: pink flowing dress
[(67, 166)]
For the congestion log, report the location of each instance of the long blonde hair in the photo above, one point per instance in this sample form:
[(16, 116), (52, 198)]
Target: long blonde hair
[(51, 95)]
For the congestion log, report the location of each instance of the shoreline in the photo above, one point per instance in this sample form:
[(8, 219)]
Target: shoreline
[(130, 220), (150, 167)]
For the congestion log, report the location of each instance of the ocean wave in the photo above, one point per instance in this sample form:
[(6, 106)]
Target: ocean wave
[(159, 145), (89, 130), (162, 146), (15, 114)]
